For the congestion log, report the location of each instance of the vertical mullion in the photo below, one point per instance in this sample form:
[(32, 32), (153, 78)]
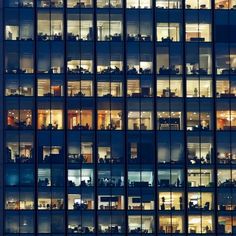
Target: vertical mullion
[(2, 99), (214, 132), (65, 151), (154, 76), (95, 116), (125, 121), (184, 99), (36, 149)]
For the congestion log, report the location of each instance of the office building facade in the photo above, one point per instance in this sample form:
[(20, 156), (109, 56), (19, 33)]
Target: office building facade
[(118, 117)]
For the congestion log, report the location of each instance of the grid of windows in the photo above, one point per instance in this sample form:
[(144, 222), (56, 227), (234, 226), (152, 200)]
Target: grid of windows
[(119, 117)]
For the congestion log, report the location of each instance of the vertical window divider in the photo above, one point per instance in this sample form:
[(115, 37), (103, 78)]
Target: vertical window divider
[(50, 113), (214, 114), (199, 105), (154, 66), (125, 115), (65, 120), (95, 173), (184, 98), (35, 119), (2, 124), (18, 109), (110, 108)]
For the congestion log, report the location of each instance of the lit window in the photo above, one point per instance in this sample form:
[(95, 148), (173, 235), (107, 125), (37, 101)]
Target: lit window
[(133, 89), (225, 4), (167, 87), (12, 32), (80, 152), (140, 66), (140, 178), (198, 121), (79, 3), (113, 224), (139, 30), (167, 178), (109, 89), (200, 224), (18, 88), (109, 119), (200, 178), (80, 177), (19, 119), (79, 27), (104, 154), (198, 4), (111, 178), (198, 60), (169, 62), (169, 120), (113, 67), (110, 202), (226, 223), (200, 201), (83, 88), (109, 27), (171, 201), (52, 154), (140, 120), (168, 32), (169, 4), (226, 119), (49, 88), (81, 201), (109, 3), (80, 66), (171, 224), (199, 88), (199, 150), (141, 224), (80, 119), (50, 119), (145, 202), (226, 178), (138, 4), (50, 3), (50, 201), (198, 32), (50, 26), (19, 201), (19, 152), (44, 177), (223, 89)]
